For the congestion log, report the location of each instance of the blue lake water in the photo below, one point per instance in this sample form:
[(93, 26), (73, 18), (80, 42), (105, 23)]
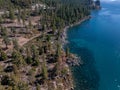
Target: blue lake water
[(97, 41)]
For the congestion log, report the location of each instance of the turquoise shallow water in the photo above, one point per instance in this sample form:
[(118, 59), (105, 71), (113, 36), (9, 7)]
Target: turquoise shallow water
[(97, 41)]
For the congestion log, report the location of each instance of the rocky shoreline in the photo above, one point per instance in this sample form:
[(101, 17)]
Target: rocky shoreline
[(73, 60), (64, 34)]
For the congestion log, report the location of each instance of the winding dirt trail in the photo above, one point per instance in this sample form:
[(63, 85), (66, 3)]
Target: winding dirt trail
[(22, 44)]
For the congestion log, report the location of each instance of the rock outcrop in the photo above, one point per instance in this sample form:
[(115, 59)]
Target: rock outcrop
[(96, 4)]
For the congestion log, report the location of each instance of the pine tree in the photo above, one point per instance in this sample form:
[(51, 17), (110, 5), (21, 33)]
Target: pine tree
[(18, 58), (6, 41), (67, 52), (15, 45), (3, 55), (44, 69), (11, 14)]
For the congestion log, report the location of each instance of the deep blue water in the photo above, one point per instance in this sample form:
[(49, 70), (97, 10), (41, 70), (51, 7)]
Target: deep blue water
[(97, 41)]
